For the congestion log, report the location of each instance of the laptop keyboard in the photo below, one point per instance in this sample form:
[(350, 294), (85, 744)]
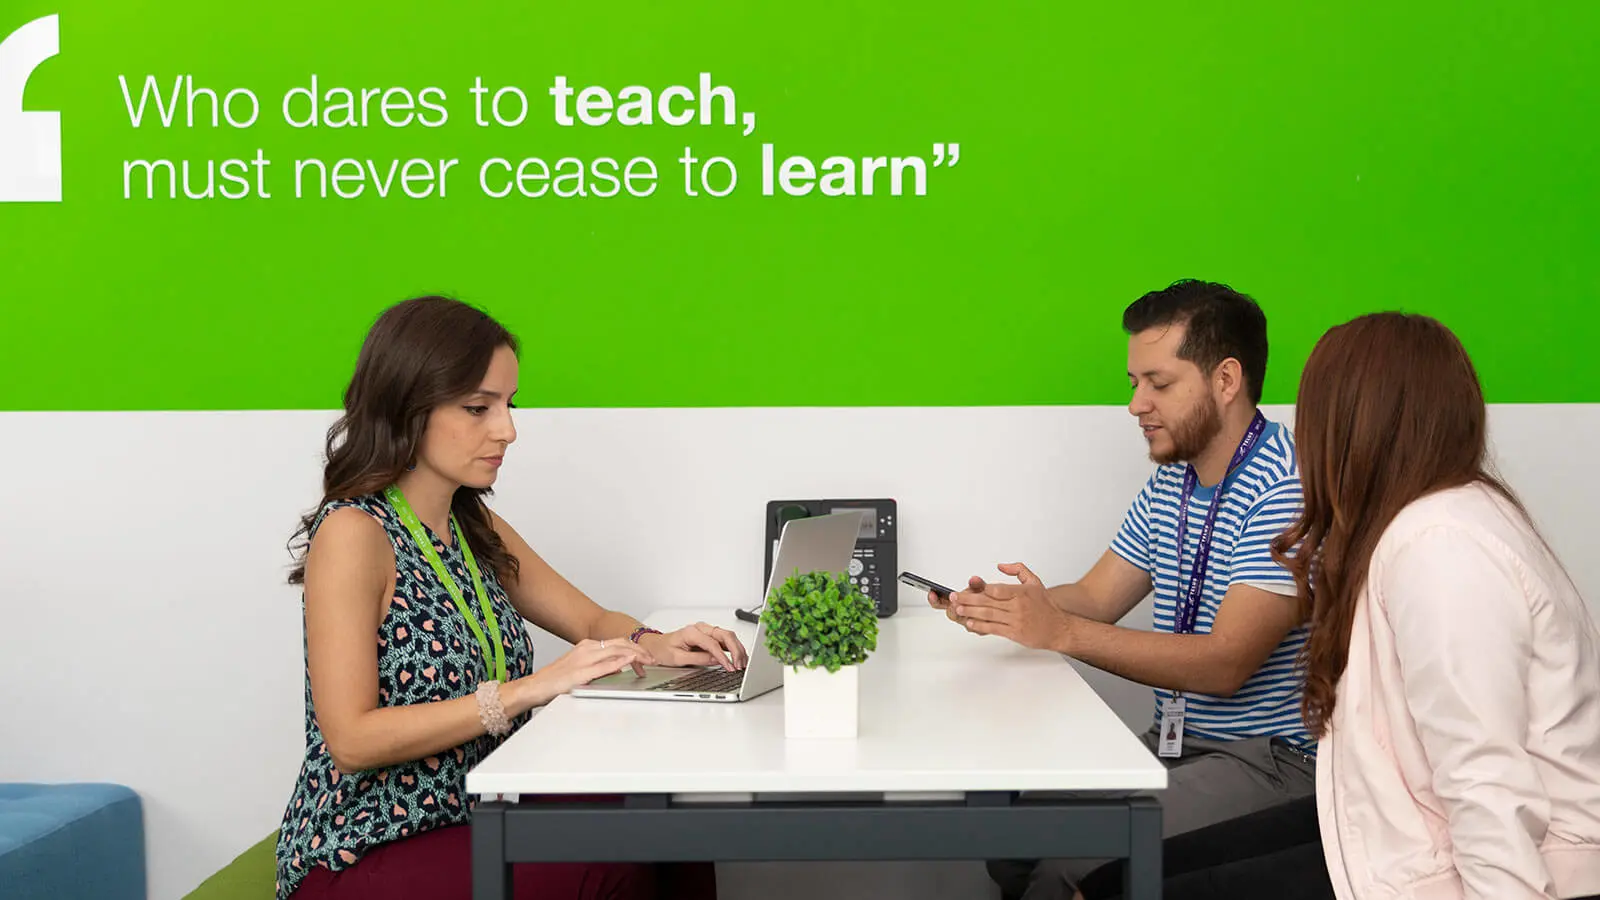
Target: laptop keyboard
[(715, 681)]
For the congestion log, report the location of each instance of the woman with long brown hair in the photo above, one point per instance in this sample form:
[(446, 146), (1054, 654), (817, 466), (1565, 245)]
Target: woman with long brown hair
[(418, 661), (1452, 669)]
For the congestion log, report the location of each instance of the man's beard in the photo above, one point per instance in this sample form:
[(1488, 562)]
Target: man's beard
[(1192, 434)]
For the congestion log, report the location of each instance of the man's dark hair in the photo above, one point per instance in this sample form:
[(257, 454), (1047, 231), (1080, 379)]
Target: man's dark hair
[(1221, 322)]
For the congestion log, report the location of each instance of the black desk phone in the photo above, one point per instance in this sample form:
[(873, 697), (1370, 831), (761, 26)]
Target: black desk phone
[(873, 567)]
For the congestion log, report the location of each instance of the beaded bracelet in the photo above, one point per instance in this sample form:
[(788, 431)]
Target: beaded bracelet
[(640, 632), (490, 711)]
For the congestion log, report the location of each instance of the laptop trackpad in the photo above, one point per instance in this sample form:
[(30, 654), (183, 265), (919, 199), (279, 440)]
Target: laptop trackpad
[(627, 678)]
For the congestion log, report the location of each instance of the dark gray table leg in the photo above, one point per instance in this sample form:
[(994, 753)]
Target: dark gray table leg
[(491, 873), (1141, 878)]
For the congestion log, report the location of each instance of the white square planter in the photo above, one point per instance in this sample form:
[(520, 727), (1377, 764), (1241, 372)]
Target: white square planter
[(821, 704)]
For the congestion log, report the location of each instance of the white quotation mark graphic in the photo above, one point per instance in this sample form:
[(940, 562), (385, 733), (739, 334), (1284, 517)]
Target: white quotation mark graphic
[(939, 158), (30, 142)]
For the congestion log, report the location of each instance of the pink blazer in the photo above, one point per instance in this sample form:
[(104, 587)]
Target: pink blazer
[(1463, 754)]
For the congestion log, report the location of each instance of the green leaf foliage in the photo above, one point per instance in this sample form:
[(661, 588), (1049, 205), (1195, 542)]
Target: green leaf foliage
[(821, 621)]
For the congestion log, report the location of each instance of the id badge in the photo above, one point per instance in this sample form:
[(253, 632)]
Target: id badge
[(1171, 728)]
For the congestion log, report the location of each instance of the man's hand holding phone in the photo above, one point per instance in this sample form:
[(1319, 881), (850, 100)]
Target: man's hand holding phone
[(938, 594), (975, 585)]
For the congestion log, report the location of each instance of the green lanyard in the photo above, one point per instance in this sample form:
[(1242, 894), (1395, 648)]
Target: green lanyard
[(413, 525)]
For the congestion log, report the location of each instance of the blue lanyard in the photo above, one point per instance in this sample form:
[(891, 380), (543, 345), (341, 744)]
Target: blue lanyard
[(1189, 610)]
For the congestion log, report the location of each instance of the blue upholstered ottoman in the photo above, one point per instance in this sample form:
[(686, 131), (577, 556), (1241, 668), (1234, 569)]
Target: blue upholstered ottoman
[(66, 841)]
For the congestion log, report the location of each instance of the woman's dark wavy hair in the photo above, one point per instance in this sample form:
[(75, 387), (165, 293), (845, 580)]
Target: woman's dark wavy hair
[(421, 353)]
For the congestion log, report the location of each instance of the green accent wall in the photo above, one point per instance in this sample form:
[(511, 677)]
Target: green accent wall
[(1330, 159)]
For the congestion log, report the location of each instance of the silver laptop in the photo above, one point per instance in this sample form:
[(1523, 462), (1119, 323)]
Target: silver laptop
[(816, 544)]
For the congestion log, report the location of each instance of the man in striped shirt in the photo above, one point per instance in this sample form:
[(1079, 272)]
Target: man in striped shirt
[(1221, 657)]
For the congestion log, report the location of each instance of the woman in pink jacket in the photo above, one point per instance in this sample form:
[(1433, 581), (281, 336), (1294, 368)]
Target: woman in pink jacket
[(1453, 670)]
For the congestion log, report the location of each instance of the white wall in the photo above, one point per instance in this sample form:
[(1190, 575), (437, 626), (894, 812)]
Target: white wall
[(154, 643)]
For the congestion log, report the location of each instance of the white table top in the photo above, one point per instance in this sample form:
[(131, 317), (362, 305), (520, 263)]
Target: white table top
[(942, 711)]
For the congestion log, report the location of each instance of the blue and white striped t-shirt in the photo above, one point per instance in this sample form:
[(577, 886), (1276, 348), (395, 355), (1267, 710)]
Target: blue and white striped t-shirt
[(1261, 499)]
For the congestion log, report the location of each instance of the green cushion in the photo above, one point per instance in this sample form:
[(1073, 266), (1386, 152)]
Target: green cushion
[(251, 876)]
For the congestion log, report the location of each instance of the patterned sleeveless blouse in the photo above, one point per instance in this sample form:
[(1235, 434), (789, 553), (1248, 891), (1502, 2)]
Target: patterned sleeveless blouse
[(426, 652)]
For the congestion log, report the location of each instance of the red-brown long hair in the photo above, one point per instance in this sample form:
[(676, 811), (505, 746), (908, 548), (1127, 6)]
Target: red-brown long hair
[(1390, 410)]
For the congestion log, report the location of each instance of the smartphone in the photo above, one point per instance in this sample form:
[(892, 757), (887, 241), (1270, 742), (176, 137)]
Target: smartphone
[(917, 581)]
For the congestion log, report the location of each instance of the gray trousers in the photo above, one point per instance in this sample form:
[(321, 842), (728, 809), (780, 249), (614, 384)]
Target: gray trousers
[(1212, 781)]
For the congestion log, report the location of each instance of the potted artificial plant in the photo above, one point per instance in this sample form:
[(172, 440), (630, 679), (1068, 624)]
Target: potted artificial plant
[(821, 628)]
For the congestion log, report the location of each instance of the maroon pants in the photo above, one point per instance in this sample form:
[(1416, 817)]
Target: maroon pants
[(437, 865)]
